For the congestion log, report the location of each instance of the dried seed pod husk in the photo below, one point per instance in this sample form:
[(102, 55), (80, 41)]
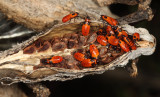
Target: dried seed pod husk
[(15, 66)]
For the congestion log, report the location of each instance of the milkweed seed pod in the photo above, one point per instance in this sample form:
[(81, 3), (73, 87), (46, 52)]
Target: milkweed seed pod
[(27, 62)]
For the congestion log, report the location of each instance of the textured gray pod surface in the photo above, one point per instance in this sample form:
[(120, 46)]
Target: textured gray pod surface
[(43, 14), (15, 66)]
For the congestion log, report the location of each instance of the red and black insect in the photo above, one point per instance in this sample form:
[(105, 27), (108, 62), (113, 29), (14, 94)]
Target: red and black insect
[(136, 37), (112, 40), (55, 59), (124, 33), (110, 31), (124, 46), (88, 62), (94, 51), (120, 33), (69, 17), (130, 43), (111, 21), (102, 40), (79, 56), (86, 26)]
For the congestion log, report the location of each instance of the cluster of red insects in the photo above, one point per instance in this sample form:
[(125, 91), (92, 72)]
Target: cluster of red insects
[(111, 35)]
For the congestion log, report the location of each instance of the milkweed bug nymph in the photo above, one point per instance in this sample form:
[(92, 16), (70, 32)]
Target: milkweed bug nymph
[(124, 46), (86, 26), (111, 21), (102, 40), (55, 59), (69, 17), (94, 51), (79, 56)]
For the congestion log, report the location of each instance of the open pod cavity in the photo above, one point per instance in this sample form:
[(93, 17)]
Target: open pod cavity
[(26, 62)]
